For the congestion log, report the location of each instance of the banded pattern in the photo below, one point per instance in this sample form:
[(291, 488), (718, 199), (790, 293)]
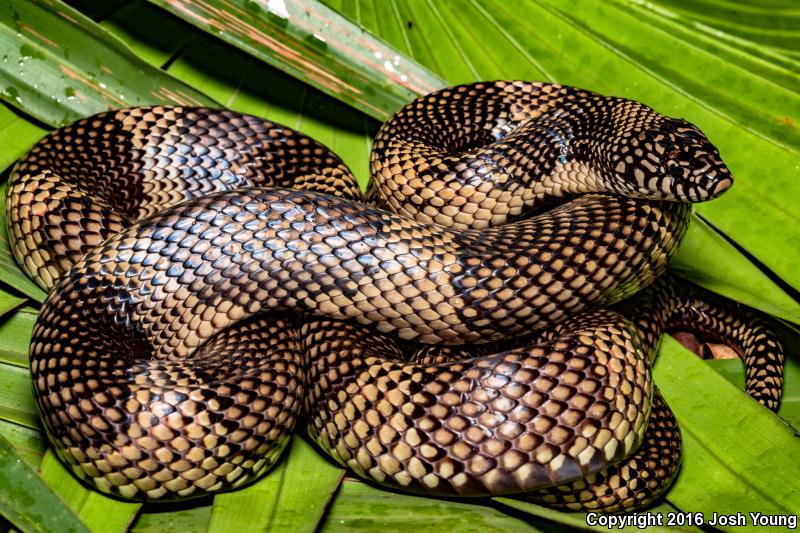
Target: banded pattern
[(476, 155), (86, 181), (675, 306), (159, 377), (510, 422), (197, 268), (633, 483), (149, 429)]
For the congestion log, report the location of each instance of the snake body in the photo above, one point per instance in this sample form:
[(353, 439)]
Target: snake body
[(159, 376), (476, 155)]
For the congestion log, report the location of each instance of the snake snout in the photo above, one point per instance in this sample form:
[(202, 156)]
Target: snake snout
[(695, 168), (675, 161), (709, 178)]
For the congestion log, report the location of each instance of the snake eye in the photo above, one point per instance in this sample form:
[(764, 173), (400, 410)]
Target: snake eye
[(652, 134), (675, 170)]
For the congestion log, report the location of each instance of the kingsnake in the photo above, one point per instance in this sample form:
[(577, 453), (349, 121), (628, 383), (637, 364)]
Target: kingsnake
[(164, 234)]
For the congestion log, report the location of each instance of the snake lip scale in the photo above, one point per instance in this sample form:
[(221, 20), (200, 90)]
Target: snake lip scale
[(164, 234)]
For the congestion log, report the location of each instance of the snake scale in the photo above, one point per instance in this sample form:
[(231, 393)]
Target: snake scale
[(212, 275)]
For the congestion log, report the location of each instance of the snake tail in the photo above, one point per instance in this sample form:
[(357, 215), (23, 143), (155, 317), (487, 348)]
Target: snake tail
[(674, 305)]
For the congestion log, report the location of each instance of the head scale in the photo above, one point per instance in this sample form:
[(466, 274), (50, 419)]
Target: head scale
[(654, 156)]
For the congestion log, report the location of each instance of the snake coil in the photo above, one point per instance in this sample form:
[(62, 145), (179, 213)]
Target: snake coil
[(167, 233)]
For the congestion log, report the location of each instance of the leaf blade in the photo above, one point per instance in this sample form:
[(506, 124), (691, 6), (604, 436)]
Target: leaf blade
[(294, 495), (316, 45), (68, 67), (27, 502), (99, 512), (762, 463)]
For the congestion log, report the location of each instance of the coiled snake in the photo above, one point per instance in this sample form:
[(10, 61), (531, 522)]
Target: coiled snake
[(167, 232)]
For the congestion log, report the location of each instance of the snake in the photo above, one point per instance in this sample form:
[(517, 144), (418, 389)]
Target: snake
[(213, 276)]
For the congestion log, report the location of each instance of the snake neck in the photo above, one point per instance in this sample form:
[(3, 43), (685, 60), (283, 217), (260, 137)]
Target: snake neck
[(604, 144)]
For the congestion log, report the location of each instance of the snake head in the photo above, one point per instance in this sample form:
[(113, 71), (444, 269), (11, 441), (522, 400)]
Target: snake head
[(670, 159)]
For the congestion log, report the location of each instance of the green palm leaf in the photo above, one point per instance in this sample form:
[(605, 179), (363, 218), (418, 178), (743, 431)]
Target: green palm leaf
[(732, 71)]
